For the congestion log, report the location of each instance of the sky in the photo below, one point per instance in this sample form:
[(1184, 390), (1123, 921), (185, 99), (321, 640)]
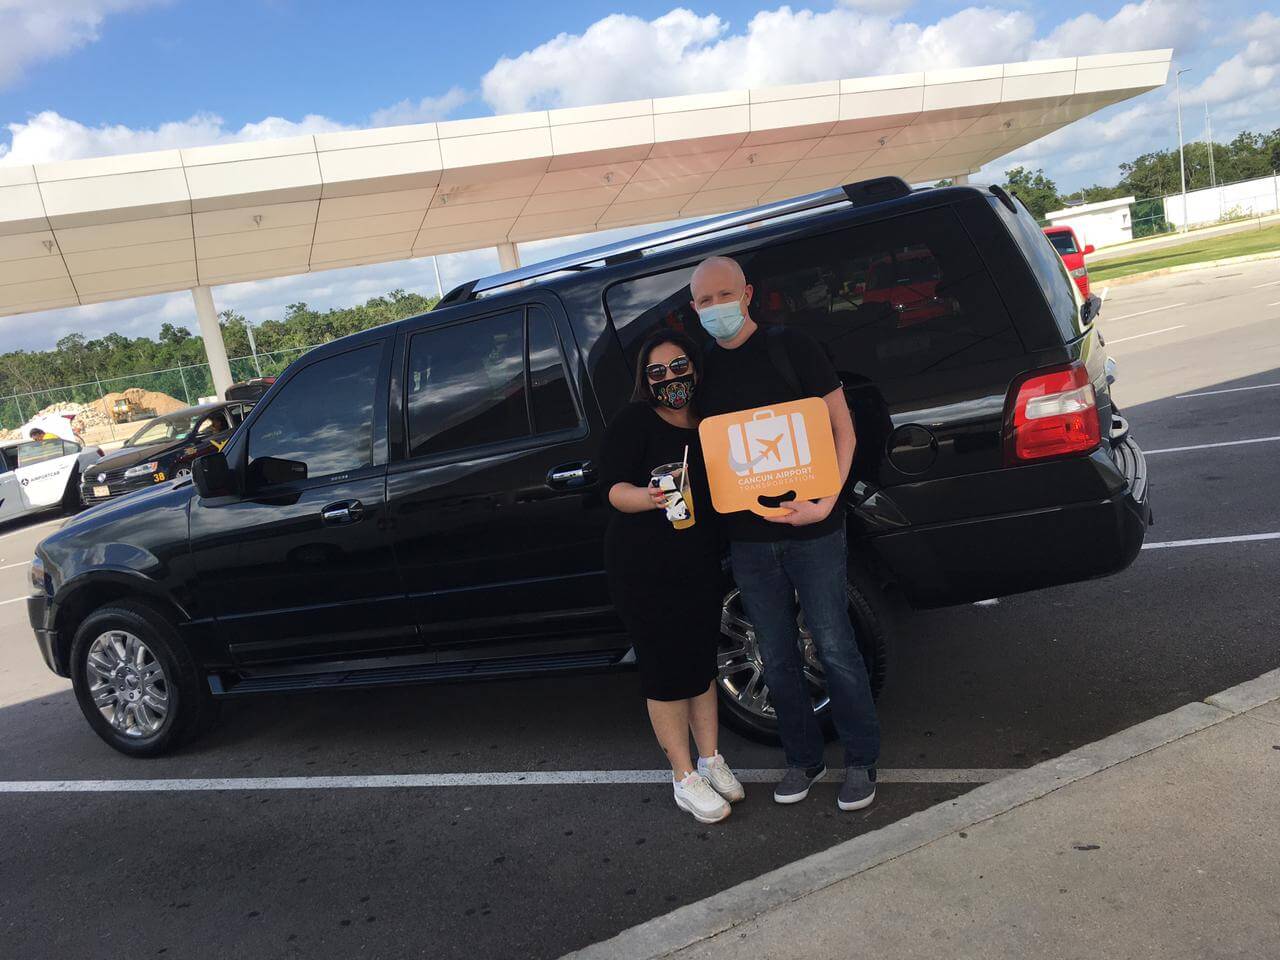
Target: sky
[(83, 78)]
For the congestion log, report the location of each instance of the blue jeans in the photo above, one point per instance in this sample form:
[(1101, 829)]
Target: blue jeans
[(771, 577)]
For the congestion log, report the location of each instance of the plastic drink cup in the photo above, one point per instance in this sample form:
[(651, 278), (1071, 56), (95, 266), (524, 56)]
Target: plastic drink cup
[(670, 477)]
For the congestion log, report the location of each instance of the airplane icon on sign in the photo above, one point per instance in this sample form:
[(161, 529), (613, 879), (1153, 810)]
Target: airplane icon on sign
[(770, 447)]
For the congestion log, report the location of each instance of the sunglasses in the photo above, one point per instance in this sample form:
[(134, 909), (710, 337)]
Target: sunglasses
[(658, 371)]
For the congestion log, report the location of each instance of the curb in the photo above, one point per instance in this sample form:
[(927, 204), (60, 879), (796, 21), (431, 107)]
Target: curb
[(704, 919), (1184, 268)]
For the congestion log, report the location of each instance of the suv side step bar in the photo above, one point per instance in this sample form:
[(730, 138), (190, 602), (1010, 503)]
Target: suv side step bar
[(221, 686)]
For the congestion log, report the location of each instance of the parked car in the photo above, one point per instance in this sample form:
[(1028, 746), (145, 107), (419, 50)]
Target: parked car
[(161, 450), (420, 501), (39, 475), (1064, 240), (907, 285)]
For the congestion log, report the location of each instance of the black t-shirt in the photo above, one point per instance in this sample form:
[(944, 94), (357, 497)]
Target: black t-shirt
[(746, 377), (638, 440)]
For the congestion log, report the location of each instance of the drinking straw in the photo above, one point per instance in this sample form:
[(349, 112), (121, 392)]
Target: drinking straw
[(684, 467)]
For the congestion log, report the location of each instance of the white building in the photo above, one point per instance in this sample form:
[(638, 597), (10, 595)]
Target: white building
[(1102, 224)]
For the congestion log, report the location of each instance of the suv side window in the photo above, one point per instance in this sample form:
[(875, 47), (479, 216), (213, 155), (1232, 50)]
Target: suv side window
[(324, 415), (487, 381), (549, 395), (1049, 270), (889, 299)]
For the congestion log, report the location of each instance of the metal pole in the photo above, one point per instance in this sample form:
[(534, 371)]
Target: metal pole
[(439, 286), (1208, 126), (1182, 166), (185, 392), (253, 347)]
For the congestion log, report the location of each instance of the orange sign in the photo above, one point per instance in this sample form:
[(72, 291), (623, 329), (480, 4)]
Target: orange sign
[(785, 451)]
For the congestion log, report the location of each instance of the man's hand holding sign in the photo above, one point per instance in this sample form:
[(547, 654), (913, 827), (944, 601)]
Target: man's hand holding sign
[(774, 461)]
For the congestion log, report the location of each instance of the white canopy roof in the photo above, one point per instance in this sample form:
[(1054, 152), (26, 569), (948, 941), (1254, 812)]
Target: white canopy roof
[(84, 231)]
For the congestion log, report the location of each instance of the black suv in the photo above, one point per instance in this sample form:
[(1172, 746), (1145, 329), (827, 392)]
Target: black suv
[(418, 502)]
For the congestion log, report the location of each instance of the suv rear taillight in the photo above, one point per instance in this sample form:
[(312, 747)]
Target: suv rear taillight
[(1054, 413)]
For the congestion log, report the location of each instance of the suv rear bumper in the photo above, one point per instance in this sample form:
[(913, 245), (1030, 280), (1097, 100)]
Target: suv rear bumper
[(948, 563)]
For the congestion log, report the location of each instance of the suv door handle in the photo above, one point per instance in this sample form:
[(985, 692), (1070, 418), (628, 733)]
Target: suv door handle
[(569, 475), (344, 511)]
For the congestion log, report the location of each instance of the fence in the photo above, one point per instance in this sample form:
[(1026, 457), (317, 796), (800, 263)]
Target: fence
[(172, 388), (1224, 203), (1227, 202)]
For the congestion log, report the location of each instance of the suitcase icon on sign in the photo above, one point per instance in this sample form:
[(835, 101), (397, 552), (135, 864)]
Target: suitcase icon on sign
[(768, 443)]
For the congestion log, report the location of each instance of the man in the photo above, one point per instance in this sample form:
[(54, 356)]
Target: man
[(800, 555)]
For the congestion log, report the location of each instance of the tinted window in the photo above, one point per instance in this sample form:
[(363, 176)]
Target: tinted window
[(1048, 268), (549, 395), (1062, 242), (889, 299), (324, 415), (465, 385), (639, 307)]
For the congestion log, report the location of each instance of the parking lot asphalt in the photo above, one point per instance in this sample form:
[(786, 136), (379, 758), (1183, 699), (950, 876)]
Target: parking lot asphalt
[(537, 870)]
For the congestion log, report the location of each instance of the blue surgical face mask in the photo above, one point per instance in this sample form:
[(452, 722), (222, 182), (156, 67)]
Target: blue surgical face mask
[(723, 320)]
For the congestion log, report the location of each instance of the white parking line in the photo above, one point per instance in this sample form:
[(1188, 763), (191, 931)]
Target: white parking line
[(14, 600), (531, 778), (10, 566), (1143, 313), (1198, 446), (1105, 291), (1212, 393), (1205, 541), (1139, 336), (1269, 283)]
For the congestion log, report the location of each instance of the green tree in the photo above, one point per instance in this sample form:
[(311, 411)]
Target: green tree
[(1037, 191), (116, 359)]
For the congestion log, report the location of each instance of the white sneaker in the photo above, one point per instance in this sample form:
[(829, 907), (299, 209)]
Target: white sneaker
[(694, 795), (721, 778)]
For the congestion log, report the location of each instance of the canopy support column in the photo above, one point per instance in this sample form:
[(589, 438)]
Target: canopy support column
[(508, 256), (214, 349)]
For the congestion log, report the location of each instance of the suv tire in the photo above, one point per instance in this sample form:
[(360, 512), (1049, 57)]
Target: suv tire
[(126, 659), (872, 643)]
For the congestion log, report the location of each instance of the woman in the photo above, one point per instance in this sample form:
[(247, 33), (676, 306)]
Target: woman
[(664, 574)]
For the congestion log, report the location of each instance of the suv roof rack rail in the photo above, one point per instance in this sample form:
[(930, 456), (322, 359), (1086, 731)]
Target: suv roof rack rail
[(857, 194)]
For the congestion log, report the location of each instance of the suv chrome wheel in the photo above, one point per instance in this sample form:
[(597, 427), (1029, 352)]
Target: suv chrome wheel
[(741, 675), (127, 684)]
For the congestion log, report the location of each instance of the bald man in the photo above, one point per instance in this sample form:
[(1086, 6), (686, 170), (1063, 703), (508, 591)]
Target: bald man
[(801, 555)]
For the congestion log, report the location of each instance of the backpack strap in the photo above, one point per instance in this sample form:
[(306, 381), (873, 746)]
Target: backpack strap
[(780, 357)]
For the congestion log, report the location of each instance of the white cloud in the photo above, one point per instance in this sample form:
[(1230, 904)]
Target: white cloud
[(623, 57), (35, 30), (1254, 70), (49, 136), (1149, 25), (422, 111)]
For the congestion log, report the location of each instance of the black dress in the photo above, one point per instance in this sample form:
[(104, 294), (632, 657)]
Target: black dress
[(666, 583)]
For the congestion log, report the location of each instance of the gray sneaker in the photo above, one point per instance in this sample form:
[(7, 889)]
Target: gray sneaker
[(859, 789), (794, 786)]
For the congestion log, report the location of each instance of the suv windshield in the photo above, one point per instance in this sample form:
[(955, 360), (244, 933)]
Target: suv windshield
[(1063, 242), (163, 429)]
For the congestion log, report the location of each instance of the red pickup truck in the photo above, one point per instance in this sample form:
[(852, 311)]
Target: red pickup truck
[(1068, 247)]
